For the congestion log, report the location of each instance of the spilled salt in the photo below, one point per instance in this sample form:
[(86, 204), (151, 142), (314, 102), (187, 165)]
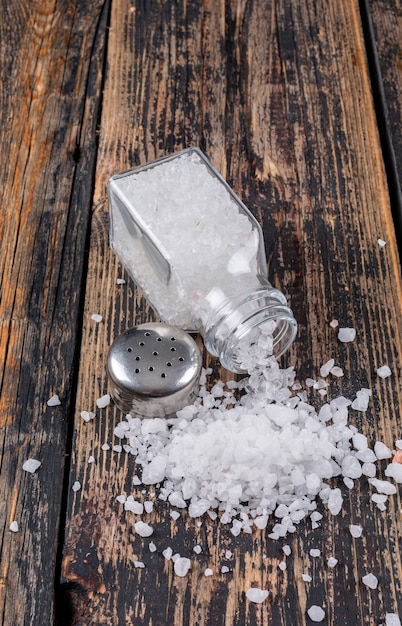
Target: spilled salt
[(31, 465), (257, 595), (54, 401), (316, 613)]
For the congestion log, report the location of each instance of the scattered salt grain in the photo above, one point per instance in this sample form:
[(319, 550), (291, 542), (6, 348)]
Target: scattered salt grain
[(383, 486), (76, 486), (394, 470), (148, 506), (139, 564), (143, 529), (167, 553), (225, 569), (103, 402), (122, 498), (136, 481), (31, 465), (197, 549), (287, 550), (134, 506), (307, 578), (370, 581), (315, 553), (228, 554), (54, 401), (332, 561), (257, 595), (346, 335), (384, 371), (105, 446), (361, 401), (152, 546), (334, 324), (96, 317), (175, 515), (381, 243), (120, 281), (316, 613), (14, 527), (91, 459), (181, 566), (208, 572), (87, 416), (398, 444), (282, 566), (392, 619), (355, 530), (326, 368), (382, 451), (380, 500), (336, 371), (349, 483)]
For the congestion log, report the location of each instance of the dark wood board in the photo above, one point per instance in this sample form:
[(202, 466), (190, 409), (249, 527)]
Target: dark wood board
[(278, 95), (383, 20), (51, 65)]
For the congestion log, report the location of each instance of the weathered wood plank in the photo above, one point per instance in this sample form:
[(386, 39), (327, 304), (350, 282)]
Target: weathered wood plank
[(51, 63), (384, 27), (278, 95)]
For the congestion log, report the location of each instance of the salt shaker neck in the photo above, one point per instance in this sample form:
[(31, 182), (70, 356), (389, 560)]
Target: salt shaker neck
[(238, 324)]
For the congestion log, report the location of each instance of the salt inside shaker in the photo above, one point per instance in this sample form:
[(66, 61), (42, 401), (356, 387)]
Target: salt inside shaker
[(198, 255)]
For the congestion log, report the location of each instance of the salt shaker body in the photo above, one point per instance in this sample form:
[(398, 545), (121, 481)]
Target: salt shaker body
[(198, 255)]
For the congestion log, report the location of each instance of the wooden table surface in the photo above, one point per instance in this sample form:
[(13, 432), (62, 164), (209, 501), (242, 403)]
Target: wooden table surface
[(298, 105)]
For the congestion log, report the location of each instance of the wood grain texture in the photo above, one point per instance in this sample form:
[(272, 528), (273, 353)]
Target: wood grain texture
[(385, 27), (278, 95), (49, 110)]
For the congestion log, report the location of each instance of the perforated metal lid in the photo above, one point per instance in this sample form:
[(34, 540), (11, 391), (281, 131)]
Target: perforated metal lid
[(154, 370)]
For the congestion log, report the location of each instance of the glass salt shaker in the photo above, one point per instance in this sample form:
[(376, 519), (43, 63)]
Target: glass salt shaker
[(198, 255)]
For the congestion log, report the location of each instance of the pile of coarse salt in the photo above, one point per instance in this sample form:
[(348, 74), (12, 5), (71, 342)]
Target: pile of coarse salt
[(264, 458)]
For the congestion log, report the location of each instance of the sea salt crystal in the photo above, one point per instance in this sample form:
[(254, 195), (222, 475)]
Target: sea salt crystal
[(91, 459), (120, 281), (348, 482), (143, 529), (105, 447), (54, 401), (31, 465), (307, 578), (96, 317), (87, 416), (381, 243), (122, 498), (382, 451), (335, 501), (394, 470), (134, 506), (148, 506), (282, 566), (384, 371), (355, 530), (315, 553), (392, 619), (175, 515), (208, 572), (181, 566), (257, 595), (76, 486), (287, 550), (167, 553), (152, 546), (139, 564), (228, 554), (346, 335), (332, 561), (225, 569), (103, 402), (326, 368), (362, 400), (14, 527), (383, 486), (337, 371), (316, 613), (136, 481), (197, 549), (334, 323), (370, 581)]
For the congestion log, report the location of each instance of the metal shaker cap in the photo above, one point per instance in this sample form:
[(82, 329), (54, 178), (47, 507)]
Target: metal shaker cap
[(154, 370)]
